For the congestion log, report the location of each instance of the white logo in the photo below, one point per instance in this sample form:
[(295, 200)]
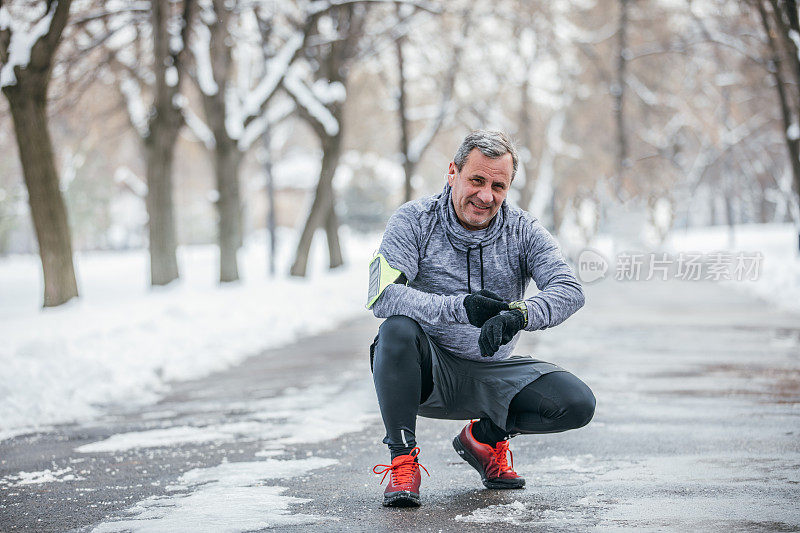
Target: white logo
[(592, 266)]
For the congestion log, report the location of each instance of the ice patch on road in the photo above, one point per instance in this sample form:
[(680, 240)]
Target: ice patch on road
[(701, 513), (230, 497), (696, 491), (154, 438), (44, 476), (515, 513), (524, 514), (580, 463), (312, 414)]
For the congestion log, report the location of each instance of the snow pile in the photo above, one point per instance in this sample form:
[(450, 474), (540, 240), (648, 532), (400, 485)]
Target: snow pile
[(779, 277), (306, 415), (516, 513), (45, 476), (123, 342), (228, 497)]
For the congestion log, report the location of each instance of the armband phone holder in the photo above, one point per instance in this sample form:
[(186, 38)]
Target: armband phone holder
[(381, 275)]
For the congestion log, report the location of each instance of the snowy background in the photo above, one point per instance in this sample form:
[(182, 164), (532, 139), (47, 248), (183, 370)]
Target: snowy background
[(643, 128), (122, 342)]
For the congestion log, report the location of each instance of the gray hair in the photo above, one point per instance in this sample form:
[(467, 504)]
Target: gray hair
[(491, 143)]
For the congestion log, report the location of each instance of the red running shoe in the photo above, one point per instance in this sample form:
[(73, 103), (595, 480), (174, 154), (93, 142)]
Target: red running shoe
[(403, 488), (492, 463)]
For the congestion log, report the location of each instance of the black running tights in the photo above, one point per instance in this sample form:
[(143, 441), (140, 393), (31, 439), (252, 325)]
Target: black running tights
[(403, 377)]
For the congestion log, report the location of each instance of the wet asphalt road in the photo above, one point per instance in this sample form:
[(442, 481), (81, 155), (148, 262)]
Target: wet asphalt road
[(697, 428)]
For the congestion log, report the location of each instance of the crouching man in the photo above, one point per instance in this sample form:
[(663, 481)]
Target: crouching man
[(449, 278)]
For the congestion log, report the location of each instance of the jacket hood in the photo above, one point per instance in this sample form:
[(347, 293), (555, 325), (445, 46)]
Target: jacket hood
[(460, 237)]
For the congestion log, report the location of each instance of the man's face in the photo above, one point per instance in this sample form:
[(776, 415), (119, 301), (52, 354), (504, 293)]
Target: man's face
[(480, 188)]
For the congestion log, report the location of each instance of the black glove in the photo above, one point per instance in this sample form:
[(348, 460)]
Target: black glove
[(482, 306), (500, 330)]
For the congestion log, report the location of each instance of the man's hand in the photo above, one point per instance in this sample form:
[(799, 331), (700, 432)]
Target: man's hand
[(500, 330), (482, 306)]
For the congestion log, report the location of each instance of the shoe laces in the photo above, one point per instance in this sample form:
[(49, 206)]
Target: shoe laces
[(402, 468), (501, 458)]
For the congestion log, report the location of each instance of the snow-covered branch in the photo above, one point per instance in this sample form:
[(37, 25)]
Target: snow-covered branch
[(306, 99), (320, 6), (256, 128), (276, 69), (423, 139), (200, 48), (104, 14), (137, 112), (22, 42), (195, 124)]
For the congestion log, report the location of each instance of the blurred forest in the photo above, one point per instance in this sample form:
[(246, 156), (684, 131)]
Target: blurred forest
[(130, 124)]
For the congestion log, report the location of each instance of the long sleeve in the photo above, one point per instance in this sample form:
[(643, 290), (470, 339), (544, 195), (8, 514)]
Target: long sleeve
[(561, 293), (424, 307), (401, 248)]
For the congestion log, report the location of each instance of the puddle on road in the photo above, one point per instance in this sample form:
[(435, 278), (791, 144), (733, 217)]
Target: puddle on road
[(765, 384)]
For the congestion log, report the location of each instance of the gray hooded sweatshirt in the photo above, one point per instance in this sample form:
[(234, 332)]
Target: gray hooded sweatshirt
[(444, 262)]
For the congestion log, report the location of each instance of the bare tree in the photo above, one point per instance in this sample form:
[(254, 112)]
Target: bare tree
[(236, 106), (166, 120), (27, 62), (413, 148), (618, 90), (321, 104), (779, 19), (149, 68)]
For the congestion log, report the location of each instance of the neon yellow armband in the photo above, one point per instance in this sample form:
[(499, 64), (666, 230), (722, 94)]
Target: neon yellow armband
[(381, 275)]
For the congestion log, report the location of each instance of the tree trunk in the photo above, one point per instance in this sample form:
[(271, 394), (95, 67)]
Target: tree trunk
[(618, 92), (332, 233), (526, 192), (227, 156), (555, 209), (226, 163), (27, 98), (159, 149), (730, 218), (408, 166), (322, 210), (163, 126), (764, 208), (334, 64), (47, 206), (270, 187), (790, 7), (712, 210), (792, 142), (545, 181)]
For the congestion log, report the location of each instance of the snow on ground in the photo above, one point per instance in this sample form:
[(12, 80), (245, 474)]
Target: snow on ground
[(122, 342), (45, 476), (778, 270), (298, 416), (779, 278), (611, 496), (229, 497)]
